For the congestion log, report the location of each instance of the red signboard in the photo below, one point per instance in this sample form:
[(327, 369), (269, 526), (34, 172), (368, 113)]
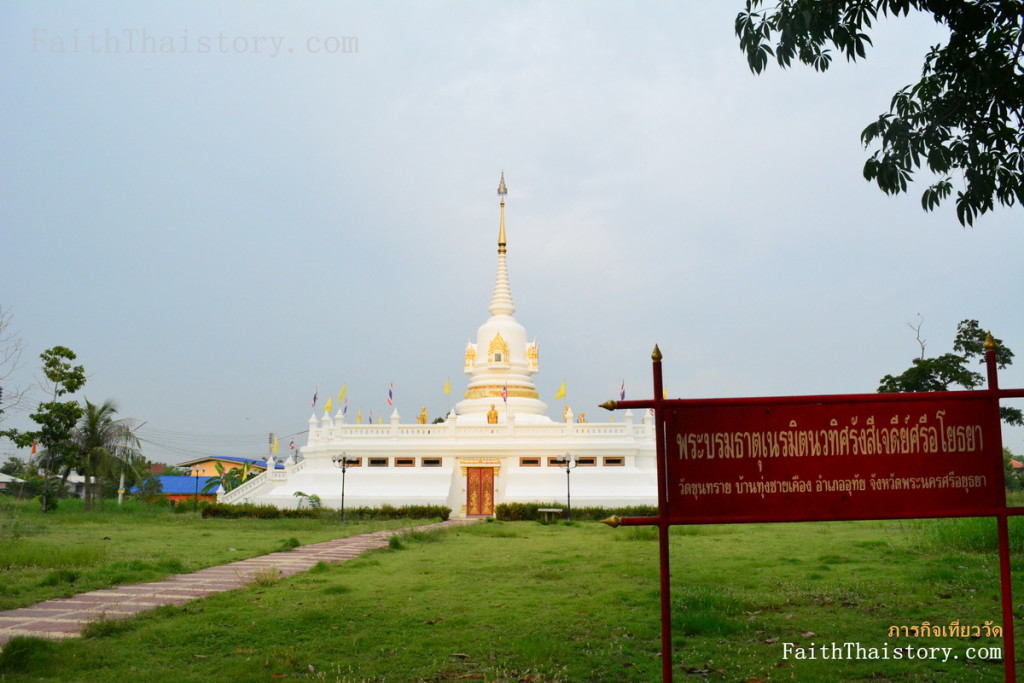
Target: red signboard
[(836, 457), (806, 458)]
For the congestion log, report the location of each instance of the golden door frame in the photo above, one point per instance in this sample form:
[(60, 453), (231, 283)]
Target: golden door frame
[(479, 474)]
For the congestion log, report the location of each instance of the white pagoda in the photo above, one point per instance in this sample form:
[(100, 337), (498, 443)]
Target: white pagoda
[(497, 445)]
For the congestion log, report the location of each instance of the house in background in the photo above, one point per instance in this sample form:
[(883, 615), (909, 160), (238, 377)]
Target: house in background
[(7, 481), (185, 488), (75, 484), (208, 466)]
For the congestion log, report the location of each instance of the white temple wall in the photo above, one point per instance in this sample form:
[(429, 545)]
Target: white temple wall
[(501, 447)]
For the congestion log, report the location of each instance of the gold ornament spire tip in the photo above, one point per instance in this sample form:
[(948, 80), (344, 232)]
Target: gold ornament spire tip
[(502, 191), (990, 343)]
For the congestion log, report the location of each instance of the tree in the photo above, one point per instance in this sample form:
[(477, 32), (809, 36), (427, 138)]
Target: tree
[(10, 356), (310, 499), (149, 489), (229, 479), (15, 467), (56, 418), (953, 369), (103, 445), (965, 116)]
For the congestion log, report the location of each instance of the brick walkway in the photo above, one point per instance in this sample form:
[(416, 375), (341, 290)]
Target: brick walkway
[(65, 617)]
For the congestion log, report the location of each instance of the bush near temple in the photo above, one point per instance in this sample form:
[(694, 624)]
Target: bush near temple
[(383, 512), (518, 512)]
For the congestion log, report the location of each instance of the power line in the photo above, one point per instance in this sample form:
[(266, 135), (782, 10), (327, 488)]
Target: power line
[(189, 446)]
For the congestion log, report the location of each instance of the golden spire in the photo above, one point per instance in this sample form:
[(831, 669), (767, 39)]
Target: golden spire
[(502, 191), (501, 301)]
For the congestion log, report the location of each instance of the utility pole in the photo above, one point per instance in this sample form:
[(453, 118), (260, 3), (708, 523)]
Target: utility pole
[(120, 486)]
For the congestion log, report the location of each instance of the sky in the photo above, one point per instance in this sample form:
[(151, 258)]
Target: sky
[(223, 208)]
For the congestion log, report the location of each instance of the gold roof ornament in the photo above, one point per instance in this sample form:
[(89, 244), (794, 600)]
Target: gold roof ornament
[(502, 191), (498, 344)]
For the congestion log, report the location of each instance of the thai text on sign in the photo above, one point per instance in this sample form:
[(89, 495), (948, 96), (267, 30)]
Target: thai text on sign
[(851, 457)]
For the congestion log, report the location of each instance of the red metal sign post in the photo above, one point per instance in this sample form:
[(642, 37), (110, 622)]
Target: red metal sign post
[(833, 457)]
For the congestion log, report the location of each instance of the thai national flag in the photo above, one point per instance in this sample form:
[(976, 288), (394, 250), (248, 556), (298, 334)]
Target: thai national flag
[(504, 393), (391, 395), (291, 446), (622, 391), (315, 394)]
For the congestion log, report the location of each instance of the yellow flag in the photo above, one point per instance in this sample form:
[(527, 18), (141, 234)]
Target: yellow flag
[(561, 391), (341, 396), (327, 408), (664, 392), (275, 444), (447, 386)]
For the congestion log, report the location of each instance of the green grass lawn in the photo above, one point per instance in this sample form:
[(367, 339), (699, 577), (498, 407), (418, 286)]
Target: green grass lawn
[(66, 551), (528, 602)]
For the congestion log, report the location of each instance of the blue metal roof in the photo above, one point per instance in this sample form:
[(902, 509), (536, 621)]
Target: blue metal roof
[(180, 485)]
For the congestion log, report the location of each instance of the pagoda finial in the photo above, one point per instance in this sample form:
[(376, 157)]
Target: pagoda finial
[(501, 302), (502, 191)]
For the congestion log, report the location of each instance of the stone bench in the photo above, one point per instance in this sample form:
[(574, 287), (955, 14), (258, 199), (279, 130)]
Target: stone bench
[(548, 512)]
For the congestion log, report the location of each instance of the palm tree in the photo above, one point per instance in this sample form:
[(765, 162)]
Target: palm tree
[(104, 445), (229, 479)]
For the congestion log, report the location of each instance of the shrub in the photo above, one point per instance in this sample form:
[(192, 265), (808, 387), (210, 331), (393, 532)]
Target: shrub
[(384, 512), (23, 653), (289, 544), (518, 512), (60, 576)]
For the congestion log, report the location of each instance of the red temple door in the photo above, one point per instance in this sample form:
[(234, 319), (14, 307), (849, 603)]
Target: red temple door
[(480, 491)]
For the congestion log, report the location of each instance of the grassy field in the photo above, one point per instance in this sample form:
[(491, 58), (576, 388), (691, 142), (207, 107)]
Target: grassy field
[(578, 602), (66, 552)]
